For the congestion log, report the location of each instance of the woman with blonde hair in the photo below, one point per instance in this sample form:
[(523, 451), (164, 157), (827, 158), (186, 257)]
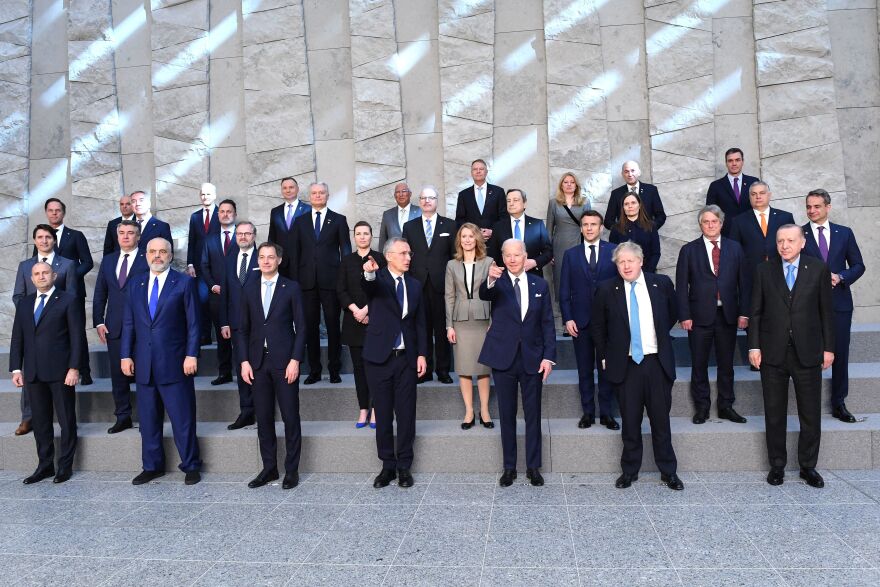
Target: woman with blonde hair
[(467, 319), (563, 224)]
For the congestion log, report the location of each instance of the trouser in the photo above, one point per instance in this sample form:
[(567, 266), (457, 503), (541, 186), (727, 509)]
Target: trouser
[(85, 365), (224, 345), (435, 314), (393, 384), (315, 300), (179, 399), (701, 339), (506, 383), (585, 356), (121, 383), (204, 317), (245, 391), (47, 399), (840, 367), (361, 386), (270, 386)]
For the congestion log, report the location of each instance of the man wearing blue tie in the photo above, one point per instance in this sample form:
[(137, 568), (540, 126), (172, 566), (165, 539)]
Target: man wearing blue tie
[(160, 349), (281, 220)]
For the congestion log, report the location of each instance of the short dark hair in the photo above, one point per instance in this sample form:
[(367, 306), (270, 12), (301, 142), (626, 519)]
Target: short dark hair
[(278, 250), (594, 213), (733, 150), (283, 179), (362, 223), (47, 228), (820, 193), (479, 161), (50, 200), (129, 223), (231, 203)]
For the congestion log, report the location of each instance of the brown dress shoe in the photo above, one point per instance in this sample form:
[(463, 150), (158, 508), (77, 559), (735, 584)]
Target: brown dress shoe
[(23, 428)]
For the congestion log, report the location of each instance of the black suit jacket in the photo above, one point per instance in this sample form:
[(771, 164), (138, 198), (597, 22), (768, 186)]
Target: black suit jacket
[(232, 288), (650, 202), (45, 351), (721, 194), (649, 240), (283, 330), (154, 228), (280, 235), (494, 208), (803, 315), (538, 245), (196, 242), (429, 263), (746, 230), (697, 287), (108, 305), (72, 244), (314, 263), (844, 258), (349, 291), (213, 268), (386, 320), (111, 239), (610, 324)]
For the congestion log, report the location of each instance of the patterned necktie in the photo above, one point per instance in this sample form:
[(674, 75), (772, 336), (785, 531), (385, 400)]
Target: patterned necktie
[(207, 220), (317, 225), (736, 188), (39, 311), (154, 298), (593, 257), (823, 244), (289, 218), (789, 277), (123, 271), (481, 199), (518, 293), (429, 232), (401, 218), (716, 265), (242, 269), (267, 298), (517, 233), (399, 291), (226, 242), (764, 224), (635, 327)]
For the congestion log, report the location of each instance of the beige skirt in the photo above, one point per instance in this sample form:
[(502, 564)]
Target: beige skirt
[(470, 335)]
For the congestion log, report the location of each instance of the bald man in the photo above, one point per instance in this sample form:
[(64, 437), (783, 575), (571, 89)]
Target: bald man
[(631, 173)]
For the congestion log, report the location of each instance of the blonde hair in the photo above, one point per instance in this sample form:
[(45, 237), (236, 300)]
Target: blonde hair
[(578, 195), (479, 252)]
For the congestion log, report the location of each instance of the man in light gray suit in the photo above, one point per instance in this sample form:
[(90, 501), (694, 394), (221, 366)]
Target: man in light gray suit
[(65, 278), (394, 218)]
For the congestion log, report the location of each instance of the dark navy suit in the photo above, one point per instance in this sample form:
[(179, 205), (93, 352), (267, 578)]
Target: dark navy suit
[(281, 235), (698, 292), (111, 237), (158, 347), (494, 206), (194, 247), (514, 348), (845, 259), (108, 308), (757, 248), (644, 385), (538, 245), (213, 272), (577, 287), (154, 228), (269, 342), (391, 374), (650, 202), (649, 240), (44, 352), (230, 315), (720, 193)]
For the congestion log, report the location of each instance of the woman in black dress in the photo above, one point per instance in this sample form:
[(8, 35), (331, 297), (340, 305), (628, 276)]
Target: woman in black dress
[(356, 313), (634, 226)]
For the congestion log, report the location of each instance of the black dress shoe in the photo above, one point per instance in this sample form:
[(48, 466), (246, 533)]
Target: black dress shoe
[(730, 414), (444, 378), (39, 476), (426, 377), (469, 425), (120, 425), (192, 477), (62, 476), (291, 480), (486, 424), (85, 380), (241, 422), (221, 379), (609, 423), (507, 478), (842, 414), (813, 478), (586, 421), (672, 481), (335, 378), (146, 477), (404, 478), (263, 478), (625, 481), (700, 417), (385, 477), (312, 379), (776, 476), (534, 475)]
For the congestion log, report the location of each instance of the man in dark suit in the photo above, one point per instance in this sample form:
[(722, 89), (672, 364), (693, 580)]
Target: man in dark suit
[(520, 347), (202, 224), (836, 246), (271, 343), (395, 346), (320, 240), (756, 231), (151, 227), (241, 269), (126, 211), (730, 193), (432, 240), (72, 244), (48, 323), (632, 316), (518, 225), (160, 349), (651, 202), (117, 270), (713, 301), (65, 279), (394, 218), (282, 217), (583, 267), (218, 247), (791, 336), (483, 204)]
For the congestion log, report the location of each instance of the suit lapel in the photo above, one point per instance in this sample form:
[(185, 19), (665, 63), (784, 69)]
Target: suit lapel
[(778, 278), (620, 298), (279, 287), (656, 302), (51, 302), (170, 282), (835, 245)]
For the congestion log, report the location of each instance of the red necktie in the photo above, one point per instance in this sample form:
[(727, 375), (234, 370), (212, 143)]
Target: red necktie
[(716, 263), (226, 242), (207, 220)]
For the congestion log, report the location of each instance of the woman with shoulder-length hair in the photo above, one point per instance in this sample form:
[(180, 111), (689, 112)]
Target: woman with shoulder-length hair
[(356, 312), (635, 226), (467, 319), (563, 222)]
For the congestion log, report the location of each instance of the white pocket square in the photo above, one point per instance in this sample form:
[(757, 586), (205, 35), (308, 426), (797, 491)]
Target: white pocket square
[(443, 234), (537, 295)]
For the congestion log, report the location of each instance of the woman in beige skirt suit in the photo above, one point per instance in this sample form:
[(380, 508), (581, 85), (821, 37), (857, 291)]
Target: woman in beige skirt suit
[(467, 319)]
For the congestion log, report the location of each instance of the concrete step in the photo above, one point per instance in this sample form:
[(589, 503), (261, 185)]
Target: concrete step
[(863, 349), (441, 446), (328, 402)]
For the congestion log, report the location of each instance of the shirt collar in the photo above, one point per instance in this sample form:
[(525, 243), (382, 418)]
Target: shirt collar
[(58, 232), (732, 177), (709, 242), (48, 293), (394, 275), (243, 251), (50, 257), (273, 279), (521, 276), (161, 277), (431, 217), (231, 229), (131, 252), (796, 262), (596, 242), (146, 217), (521, 216), (815, 226), (640, 279)]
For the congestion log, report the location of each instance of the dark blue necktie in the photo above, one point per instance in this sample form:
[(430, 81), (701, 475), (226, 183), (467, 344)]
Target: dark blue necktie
[(154, 298), (399, 339), (317, 225), (39, 311)]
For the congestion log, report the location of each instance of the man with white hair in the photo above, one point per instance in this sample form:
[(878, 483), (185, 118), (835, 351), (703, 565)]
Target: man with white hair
[(646, 192), (202, 222), (151, 227)]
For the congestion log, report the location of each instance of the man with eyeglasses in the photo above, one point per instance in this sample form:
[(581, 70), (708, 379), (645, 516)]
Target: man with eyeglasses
[(395, 217), (432, 240)]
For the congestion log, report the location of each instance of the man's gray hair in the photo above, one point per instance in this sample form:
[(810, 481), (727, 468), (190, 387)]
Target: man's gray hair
[(249, 223), (757, 183), (711, 209), (429, 187), (520, 243), (391, 242), (788, 226), (164, 240), (627, 247), (320, 183), (522, 192)]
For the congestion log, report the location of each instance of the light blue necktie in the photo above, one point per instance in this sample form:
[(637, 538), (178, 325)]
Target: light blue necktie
[(429, 232), (267, 298), (317, 225), (635, 328), (481, 199), (154, 298), (517, 233), (399, 291), (289, 215), (789, 277), (39, 311)]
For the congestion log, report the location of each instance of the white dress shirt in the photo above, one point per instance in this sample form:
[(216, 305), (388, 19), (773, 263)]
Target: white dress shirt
[(646, 314), (481, 189), (48, 297), (730, 179), (223, 229), (587, 245), (433, 220), (210, 212), (59, 230), (815, 228), (249, 253), (522, 227), (403, 215), (323, 212), (50, 257), (523, 290), (143, 221), (766, 214), (153, 277), (132, 255), (708, 244), (263, 280), (290, 208), (637, 187)]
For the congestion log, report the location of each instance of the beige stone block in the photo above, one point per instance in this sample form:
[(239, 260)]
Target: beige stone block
[(375, 21), (184, 53), (623, 53), (568, 106), (520, 158), (621, 12), (10, 162), (15, 70), (573, 64), (326, 24), (49, 39), (178, 102), (47, 178), (88, 136), (331, 89), (797, 99), (336, 166), (97, 112), (369, 176), (273, 25), (384, 149), (82, 95), (860, 140), (229, 174), (424, 159), (368, 49), (11, 206), (695, 93), (416, 20), (251, 6), (50, 118), (668, 167), (794, 174), (577, 22), (686, 196), (167, 76), (190, 172), (676, 53), (17, 32), (452, 9), (227, 113), (14, 183), (268, 111), (665, 118), (138, 172), (167, 150), (370, 123), (420, 88), (629, 141), (797, 56), (454, 51), (279, 65), (461, 130), (193, 13), (375, 94), (14, 132), (175, 203), (795, 134), (777, 18), (92, 163), (737, 130), (226, 26), (271, 166), (584, 146), (466, 93), (595, 185), (15, 9), (518, 15), (734, 66), (692, 15), (854, 49), (134, 50), (479, 28), (13, 231), (105, 187), (697, 142), (520, 94), (192, 128), (10, 51), (465, 153)]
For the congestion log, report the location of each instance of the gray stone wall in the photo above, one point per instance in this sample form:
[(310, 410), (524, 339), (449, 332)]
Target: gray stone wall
[(98, 97)]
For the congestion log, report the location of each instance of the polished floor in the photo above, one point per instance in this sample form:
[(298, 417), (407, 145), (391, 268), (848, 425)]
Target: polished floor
[(450, 529)]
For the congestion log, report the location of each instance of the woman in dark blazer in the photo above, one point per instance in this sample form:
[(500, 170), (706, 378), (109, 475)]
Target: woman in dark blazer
[(635, 226), (355, 313)]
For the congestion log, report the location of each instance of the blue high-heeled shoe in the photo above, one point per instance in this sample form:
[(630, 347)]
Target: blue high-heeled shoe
[(373, 425), (360, 424)]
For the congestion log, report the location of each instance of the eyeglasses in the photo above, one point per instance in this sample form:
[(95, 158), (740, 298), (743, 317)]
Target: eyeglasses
[(244, 233), (427, 197)]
